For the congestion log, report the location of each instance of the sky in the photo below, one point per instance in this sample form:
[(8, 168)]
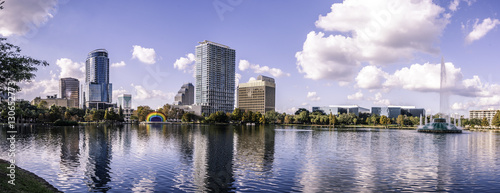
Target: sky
[(363, 52)]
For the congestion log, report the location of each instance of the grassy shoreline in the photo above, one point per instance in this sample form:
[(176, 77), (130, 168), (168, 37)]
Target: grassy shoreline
[(25, 181)]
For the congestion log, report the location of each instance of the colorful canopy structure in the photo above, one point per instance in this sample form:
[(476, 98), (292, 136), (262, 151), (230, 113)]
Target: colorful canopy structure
[(156, 117)]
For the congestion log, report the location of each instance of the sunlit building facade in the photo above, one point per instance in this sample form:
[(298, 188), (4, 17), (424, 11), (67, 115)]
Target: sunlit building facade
[(70, 89), (257, 95), (215, 77), (97, 89)]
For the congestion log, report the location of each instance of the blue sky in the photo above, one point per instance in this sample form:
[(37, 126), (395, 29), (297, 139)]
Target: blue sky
[(370, 53)]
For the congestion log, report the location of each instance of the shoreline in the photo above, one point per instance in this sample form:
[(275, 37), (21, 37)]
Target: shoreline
[(23, 177)]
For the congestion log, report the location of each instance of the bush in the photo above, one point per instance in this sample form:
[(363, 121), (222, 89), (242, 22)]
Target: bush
[(60, 122)]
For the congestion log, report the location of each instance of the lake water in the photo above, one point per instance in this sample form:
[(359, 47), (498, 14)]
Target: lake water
[(203, 158)]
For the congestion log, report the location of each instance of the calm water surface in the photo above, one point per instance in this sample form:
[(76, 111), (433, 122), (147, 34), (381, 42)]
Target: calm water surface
[(202, 158)]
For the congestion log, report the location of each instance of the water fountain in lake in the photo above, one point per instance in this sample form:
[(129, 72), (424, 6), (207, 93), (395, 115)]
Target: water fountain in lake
[(443, 123)]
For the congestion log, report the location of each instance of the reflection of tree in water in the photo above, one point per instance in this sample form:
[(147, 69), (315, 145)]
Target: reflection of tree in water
[(98, 167)]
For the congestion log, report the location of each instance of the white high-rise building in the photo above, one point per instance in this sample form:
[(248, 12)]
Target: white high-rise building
[(125, 101), (215, 77)]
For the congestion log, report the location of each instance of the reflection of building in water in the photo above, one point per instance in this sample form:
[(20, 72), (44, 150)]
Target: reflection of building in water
[(220, 159), (99, 158), (212, 159), (70, 150), (254, 149)]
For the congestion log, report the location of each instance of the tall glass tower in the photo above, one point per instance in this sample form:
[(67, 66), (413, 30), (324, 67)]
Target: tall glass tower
[(97, 88), (215, 73)]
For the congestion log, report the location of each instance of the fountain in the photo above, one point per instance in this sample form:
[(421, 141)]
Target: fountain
[(443, 123)]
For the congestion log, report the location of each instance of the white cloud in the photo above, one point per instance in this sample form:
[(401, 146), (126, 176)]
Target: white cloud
[(186, 64), (243, 65), (118, 64), (42, 87), (71, 69), (371, 77), (251, 79), (378, 100), (356, 96), (424, 78), (291, 111), (376, 32), (454, 5), (21, 17), (480, 30), (145, 55), (237, 78), (275, 72), (313, 96), (142, 94)]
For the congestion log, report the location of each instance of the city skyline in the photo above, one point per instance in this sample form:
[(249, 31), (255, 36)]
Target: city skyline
[(317, 55)]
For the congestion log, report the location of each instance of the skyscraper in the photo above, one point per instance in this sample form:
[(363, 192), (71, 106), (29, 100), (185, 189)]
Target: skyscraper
[(70, 89), (97, 89), (257, 95), (185, 96), (215, 71)]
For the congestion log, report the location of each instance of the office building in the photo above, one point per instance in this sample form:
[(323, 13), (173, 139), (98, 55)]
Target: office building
[(257, 95), (97, 89), (215, 77), (53, 100), (70, 89), (125, 101), (341, 109), (480, 114), (395, 111), (185, 96)]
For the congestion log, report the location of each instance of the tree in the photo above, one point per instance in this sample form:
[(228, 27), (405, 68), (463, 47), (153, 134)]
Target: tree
[(332, 119), (300, 111), (355, 121), (14, 67), (400, 120), (485, 122), (237, 114), (67, 115), (496, 119), (142, 112), (287, 120), (374, 118), (303, 117), (262, 120), (384, 120), (106, 115), (120, 112)]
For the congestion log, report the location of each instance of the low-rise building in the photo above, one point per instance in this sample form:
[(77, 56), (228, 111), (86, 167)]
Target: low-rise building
[(480, 114), (53, 100), (340, 109), (395, 111)]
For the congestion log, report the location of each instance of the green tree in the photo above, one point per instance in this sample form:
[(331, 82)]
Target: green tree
[(262, 120), (300, 111), (400, 120), (237, 114), (332, 119), (496, 119), (355, 121), (485, 122), (384, 120), (142, 112), (374, 119), (106, 115), (15, 67), (67, 115), (120, 112), (287, 120), (303, 117)]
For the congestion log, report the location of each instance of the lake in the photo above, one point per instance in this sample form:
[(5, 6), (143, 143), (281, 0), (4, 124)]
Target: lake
[(225, 158)]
